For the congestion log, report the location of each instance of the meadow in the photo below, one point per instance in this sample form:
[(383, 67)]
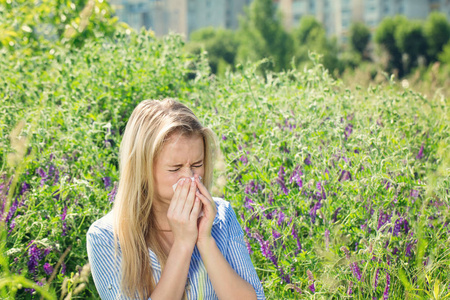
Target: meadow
[(341, 192)]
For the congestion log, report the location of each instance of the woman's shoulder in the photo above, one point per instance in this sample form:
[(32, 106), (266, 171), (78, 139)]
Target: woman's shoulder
[(102, 229)]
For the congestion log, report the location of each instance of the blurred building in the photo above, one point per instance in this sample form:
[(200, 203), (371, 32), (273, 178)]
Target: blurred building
[(181, 16), (337, 15)]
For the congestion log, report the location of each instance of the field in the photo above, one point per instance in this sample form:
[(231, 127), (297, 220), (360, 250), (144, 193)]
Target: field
[(340, 192)]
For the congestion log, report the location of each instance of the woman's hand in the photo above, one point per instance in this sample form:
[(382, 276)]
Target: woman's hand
[(183, 213), (209, 213)]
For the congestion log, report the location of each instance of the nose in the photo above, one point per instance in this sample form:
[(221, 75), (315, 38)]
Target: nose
[(188, 172)]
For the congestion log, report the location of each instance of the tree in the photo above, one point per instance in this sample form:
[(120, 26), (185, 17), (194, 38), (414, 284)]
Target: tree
[(444, 56), (359, 37), (410, 40), (310, 35), (221, 45), (262, 35), (385, 37), (437, 34)]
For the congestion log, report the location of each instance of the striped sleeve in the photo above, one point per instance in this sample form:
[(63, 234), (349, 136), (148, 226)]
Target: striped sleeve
[(105, 266), (237, 254)]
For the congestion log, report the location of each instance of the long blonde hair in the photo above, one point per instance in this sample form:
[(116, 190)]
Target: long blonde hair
[(135, 228)]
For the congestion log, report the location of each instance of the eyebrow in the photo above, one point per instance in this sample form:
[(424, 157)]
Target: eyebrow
[(180, 165)]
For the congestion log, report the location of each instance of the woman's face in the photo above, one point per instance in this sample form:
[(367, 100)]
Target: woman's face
[(181, 156)]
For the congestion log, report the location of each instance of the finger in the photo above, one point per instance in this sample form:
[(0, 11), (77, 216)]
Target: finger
[(176, 195), (189, 200), (209, 204), (182, 196), (195, 209), (202, 188)]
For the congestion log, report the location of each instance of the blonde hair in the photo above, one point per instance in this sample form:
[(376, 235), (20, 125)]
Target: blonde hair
[(135, 229)]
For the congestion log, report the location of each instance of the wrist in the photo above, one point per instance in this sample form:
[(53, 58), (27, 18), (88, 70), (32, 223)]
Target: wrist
[(205, 244), (182, 248)]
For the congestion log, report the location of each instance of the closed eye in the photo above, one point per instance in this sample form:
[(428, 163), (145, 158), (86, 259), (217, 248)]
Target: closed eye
[(196, 166)]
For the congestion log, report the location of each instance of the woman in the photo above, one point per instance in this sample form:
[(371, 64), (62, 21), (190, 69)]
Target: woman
[(166, 237)]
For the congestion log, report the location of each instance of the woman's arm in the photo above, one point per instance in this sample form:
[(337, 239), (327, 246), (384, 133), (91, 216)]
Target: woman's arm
[(233, 276), (226, 282), (173, 277), (182, 216)]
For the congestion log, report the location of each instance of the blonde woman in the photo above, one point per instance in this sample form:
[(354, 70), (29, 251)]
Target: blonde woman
[(166, 237)]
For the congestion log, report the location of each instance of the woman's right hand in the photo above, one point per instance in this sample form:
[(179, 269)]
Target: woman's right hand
[(183, 213)]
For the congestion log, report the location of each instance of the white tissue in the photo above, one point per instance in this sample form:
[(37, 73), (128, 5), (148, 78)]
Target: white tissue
[(192, 178)]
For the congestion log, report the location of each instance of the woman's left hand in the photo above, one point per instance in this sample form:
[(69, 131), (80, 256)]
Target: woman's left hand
[(209, 213)]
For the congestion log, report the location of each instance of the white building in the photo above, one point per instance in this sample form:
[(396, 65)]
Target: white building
[(337, 15)]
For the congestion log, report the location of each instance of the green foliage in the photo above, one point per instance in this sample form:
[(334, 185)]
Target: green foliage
[(437, 33), (328, 182), (38, 25), (411, 41), (359, 37), (262, 36), (385, 35), (220, 44), (444, 56), (310, 36)]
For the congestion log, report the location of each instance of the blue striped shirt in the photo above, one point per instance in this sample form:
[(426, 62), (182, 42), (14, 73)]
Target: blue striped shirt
[(225, 230)]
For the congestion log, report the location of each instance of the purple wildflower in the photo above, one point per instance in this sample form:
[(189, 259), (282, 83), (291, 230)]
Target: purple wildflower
[(112, 194), (388, 285), (414, 193), (46, 252), (48, 268), (335, 214), (408, 249), (248, 203), (249, 248), (307, 160), (63, 269), (348, 130), (397, 226), (63, 218), (275, 234), (12, 210), (382, 219), (270, 200), (299, 245), (224, 137), (345, 175), (296, 177), (313, 211), (311, 287), (347, 253), (356, 271), (280, 180), (244, 159), (350, 286), (420, 154), (265, 249), (107, 182), (281, 217), (377, 275), (25, 188), (43, 175), (33, 258), (406, 226)]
